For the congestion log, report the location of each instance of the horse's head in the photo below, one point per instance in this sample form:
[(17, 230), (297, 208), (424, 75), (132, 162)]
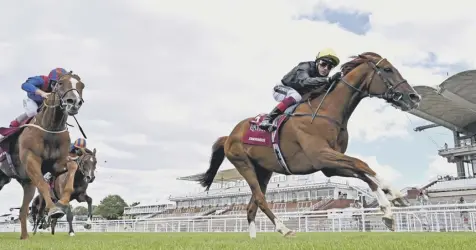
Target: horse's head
[(87, 164), (69, 89), (383, 80)]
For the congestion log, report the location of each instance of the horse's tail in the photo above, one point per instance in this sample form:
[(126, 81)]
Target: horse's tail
[(218, 155)]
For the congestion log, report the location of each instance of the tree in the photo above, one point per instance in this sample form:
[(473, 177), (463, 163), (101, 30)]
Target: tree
[(80, 210), (95, 210), (111, 207), (135, 203)]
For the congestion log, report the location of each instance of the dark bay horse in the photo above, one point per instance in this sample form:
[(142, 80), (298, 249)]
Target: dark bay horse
[(303, 145), (86, 165), (41, 145)]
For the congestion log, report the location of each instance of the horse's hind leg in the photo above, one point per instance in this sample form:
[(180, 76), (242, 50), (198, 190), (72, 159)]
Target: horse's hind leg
[(69, 218), (240, 160), (263, 178), (35, 215)]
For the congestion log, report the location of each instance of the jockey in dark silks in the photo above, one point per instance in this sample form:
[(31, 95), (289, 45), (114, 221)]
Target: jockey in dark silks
[(302, 79)]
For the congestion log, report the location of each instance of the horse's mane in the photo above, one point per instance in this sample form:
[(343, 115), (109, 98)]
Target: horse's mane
[(356, 61)]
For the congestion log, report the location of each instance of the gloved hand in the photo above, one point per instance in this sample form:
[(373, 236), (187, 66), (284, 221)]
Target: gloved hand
[(336, 77)]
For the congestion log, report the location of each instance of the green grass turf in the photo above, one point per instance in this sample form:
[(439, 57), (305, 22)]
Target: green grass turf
[(241, 241)]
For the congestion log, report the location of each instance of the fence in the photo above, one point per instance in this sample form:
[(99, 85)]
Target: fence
[(428, 218)]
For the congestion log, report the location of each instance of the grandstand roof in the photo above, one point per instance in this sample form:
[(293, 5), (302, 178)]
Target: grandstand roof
[(452, 104), (224, 175)]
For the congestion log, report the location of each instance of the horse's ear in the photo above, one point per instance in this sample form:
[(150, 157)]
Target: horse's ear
[(94, 151)]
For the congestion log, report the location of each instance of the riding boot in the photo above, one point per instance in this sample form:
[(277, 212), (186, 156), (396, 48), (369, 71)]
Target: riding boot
[(16, 123), (279, 109), (268, 120)]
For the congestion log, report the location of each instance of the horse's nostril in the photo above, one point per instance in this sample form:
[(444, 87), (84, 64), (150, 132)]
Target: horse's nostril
[(414, 97), (69, 101)]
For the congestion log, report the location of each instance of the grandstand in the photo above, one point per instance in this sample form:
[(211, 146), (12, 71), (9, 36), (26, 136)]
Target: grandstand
[(452, 104)]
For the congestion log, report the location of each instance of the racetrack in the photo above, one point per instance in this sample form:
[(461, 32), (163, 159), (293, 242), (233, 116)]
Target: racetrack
[(228, 241)]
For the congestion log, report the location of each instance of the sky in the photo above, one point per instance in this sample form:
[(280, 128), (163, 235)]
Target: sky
[(165, 79)]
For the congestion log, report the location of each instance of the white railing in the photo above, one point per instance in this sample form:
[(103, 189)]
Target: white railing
[(431, 218)]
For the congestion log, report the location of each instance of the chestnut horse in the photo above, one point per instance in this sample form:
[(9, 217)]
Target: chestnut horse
[(41, 145), (309, 145), (84, 176)]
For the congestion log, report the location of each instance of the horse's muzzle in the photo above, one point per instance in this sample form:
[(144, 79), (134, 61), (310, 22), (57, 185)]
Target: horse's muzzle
[(90, 179)]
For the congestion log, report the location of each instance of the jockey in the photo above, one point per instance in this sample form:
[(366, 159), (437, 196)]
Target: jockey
[(80, 143), (302, 79), (38, 88)]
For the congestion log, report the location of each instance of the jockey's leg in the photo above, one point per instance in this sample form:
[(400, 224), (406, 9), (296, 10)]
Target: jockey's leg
[(286, 96), (31, 109)]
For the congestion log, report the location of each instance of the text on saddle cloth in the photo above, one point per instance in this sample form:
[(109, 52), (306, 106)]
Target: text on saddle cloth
[(256, 136), (259, 137)]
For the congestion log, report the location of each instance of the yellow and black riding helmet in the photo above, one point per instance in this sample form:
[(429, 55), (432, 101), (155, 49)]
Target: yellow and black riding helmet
[(328, 55)]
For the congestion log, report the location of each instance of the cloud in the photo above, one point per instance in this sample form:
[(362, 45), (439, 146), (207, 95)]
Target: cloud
[(164, 80), (440, 166)]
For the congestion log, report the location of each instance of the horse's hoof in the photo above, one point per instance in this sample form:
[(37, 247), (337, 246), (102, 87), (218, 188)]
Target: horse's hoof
[(56, 213), (290, 234), (71, 234), (389, 223), (87, 226)]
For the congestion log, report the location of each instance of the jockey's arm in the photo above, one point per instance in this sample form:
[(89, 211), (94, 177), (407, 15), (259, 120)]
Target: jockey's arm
[(304, 79), (33, 85)]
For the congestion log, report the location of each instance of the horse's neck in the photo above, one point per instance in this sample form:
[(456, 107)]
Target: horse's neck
[(52, 118), (342, 101)]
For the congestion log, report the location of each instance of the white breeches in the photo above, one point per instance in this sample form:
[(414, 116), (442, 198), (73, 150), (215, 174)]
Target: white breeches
[(30, 106), (280, 92)]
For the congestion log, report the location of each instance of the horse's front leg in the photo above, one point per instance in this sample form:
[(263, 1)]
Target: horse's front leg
[(69, 186), (33, 170), (325, 158), (28, 193), (89, 200)]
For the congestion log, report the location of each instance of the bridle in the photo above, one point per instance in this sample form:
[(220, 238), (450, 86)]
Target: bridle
[(62, 104), (390, 95), (81, 161)]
